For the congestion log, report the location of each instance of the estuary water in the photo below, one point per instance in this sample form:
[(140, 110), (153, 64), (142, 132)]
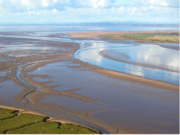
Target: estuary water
[(149, 60), (39, 72), (145, 60)]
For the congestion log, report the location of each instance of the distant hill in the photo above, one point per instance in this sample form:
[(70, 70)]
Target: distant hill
[(128, 23), (132, 23)]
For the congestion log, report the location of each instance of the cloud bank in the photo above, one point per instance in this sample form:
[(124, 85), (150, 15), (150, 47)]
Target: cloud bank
[(62, 11)]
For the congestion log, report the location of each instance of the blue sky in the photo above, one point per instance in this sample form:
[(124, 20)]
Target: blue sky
[(67, 11)]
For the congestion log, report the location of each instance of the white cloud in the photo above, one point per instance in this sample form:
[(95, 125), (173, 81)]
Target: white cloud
[(99, 3), (54, 11), (18, 13), (24, 5), (159, 2), (90, 10), (172, 3), (133, 10), (31, 12), (45, 3), (38, 13), (55, 1)]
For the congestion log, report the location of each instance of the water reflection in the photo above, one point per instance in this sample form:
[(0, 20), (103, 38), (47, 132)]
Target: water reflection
[(155, 55), (149, 61)]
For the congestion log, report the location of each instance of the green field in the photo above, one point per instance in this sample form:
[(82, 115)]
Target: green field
[(10, 123), (155, 37)]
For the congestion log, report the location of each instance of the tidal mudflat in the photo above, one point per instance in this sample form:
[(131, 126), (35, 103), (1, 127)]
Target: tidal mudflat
[(113, 87)]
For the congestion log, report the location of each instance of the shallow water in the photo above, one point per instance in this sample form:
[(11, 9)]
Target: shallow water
[(144, 60), (70, 89), (9, 90), (113, 101)]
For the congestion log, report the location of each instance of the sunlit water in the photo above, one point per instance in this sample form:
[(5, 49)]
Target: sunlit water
[(149, 61), (144, 60)]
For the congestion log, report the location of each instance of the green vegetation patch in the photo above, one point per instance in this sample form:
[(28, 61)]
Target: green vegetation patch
[(19, 121), (138, 36), (34, 124), (52, 128), (40, 128), (6, 114), (145, 36), (154, 37)]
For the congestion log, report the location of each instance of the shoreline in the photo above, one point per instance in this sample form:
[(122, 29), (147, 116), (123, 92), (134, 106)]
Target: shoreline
[(52, 119), (121, 33), (137, 79), (103, 54)]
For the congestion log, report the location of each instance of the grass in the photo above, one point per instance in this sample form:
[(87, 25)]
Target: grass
[(35, 124), (6, 114), (19, 121), (155, 37), (52, 128)]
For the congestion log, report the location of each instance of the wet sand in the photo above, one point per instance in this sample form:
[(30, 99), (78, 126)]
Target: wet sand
[(52, 82)]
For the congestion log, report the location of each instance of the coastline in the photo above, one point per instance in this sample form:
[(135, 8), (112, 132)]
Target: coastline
[(120, 36), (51, 119), (46, 90)]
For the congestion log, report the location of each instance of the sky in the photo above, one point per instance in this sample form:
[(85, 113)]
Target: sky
[(85, 11)]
